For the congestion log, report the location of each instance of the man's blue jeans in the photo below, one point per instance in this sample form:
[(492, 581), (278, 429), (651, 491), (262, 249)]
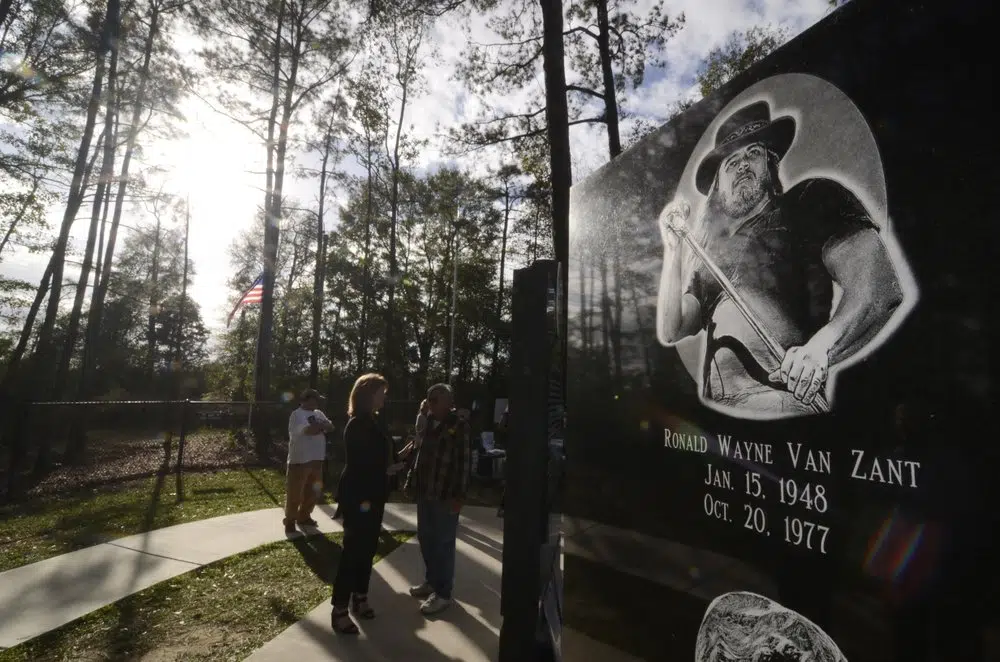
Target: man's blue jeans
[(437, 527)]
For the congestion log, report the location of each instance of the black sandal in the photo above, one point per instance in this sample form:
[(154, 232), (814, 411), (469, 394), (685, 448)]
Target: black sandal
[(341, 622), (360, 607)]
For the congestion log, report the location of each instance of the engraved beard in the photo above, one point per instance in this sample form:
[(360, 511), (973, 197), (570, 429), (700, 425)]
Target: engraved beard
[(746, 192)]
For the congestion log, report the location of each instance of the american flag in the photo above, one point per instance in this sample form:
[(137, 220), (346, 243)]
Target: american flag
[(252, 295)]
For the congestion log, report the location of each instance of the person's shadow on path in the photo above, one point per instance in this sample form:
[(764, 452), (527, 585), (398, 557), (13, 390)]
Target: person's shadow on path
[(319, 553), (390, 634), (400, 628)]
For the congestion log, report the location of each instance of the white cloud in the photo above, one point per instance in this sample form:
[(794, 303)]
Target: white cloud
[(708, 23), (220, 164)]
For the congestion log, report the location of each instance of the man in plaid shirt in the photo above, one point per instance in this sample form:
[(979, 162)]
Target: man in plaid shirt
[(439, 480)]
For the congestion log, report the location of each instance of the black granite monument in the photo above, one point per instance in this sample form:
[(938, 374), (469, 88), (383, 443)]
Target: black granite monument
[(780, 434)]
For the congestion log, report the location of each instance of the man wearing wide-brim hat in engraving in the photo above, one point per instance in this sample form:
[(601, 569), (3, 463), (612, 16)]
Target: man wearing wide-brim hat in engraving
[(756, 270)]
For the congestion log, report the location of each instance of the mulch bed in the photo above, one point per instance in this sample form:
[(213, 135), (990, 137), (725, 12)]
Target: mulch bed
[(121, 458)]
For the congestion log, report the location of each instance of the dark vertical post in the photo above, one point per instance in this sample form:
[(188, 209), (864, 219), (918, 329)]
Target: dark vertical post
[(180, 449), (14, 424), (557, 118), (527, 454)]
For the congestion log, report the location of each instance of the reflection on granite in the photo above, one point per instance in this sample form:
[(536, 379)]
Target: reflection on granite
[(698, 572), (578, 646)]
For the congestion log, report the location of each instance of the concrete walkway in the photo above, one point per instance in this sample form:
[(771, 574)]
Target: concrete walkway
[(468, 631), (40, 597), (43, 596)]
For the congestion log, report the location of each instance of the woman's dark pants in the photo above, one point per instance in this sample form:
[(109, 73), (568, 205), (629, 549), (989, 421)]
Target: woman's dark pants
[(361, 535)]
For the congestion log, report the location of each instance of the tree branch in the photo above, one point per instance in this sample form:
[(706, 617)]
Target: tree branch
[(585, 90), (533, 134), (531, 40), (518, 116), (505, 70), (245, 124), (582, 29)]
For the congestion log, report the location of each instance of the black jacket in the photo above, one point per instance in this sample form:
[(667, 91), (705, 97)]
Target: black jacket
[(369, 454)]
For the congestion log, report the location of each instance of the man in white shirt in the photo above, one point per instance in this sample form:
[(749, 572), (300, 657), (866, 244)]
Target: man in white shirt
[(306, 451)]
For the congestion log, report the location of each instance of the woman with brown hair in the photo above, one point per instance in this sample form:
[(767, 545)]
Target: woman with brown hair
[(361, 495)]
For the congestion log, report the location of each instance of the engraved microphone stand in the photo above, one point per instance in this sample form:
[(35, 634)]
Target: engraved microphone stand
[(819, 404)]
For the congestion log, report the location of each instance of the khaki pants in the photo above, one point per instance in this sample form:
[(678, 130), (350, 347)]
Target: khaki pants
[(303, 484)]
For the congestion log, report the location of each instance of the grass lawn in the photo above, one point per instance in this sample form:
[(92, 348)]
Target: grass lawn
[(53, 525), (48, 526), (222, 611)]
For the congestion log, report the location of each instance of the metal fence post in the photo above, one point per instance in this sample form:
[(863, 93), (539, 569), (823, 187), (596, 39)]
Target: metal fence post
[(183, 434)]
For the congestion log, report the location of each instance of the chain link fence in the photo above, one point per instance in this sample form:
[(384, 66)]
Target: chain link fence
[(53, 447)]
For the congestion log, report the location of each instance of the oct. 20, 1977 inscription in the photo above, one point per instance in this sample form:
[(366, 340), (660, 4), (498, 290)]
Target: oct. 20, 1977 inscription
[(744, 487)]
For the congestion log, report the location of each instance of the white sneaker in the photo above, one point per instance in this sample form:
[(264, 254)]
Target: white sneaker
[(434, 605), (423, 591)]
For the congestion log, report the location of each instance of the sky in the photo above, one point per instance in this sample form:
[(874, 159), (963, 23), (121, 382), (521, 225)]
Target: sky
[(219, 164)]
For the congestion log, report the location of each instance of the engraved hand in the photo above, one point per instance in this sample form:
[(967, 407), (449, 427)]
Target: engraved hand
[(804, 371), (673, 219)]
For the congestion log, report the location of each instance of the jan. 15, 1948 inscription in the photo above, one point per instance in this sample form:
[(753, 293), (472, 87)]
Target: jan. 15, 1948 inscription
[(800, 501)]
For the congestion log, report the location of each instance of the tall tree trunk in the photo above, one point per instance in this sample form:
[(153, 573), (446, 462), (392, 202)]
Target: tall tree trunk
[(60, 385), (534, 237), (5, 6), (453, 297), (246, 358), (262, 360), (608, 79), (334, 333), (605, 317), (319, 272), (318, 294), (277, 200), (182, 309), (154, 304), (557, 118), (43, 351), (424, 346), (272, 232), (43, 288), (501, 283), (390, 330), (641, 332), (594, 303), (91, 349), (615, 148), (617, 310), (99, 265), (29, 323), (584, 315), (366, 278), (287, 324)]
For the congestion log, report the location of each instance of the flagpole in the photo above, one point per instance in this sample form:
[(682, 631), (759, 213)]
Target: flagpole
[(253, 381), (243, 302)]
